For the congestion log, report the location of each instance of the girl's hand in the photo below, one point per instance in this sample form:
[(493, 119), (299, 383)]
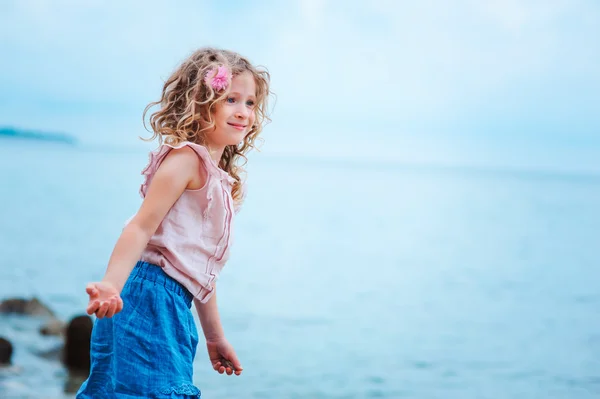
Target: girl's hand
[(223, 357), (105, 300)]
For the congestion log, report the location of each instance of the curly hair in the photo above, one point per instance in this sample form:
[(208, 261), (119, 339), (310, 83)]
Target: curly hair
[(187, 102)]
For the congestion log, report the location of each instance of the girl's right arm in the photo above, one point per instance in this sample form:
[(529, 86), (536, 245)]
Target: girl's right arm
[(179, 170)]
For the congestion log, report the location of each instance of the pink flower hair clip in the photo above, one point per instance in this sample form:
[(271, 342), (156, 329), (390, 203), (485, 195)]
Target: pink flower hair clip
[(218, 79)]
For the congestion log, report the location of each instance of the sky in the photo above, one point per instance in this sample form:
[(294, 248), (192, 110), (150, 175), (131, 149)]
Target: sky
[(514, 83)]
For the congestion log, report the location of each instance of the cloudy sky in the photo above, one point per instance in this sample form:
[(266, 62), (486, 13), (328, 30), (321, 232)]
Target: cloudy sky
[(516, 81)]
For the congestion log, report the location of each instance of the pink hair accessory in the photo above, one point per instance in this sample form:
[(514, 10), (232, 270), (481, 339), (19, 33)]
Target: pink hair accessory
[(218, 80)]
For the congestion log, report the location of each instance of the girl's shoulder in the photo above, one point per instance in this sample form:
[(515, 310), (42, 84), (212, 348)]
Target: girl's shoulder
[(156, 157)]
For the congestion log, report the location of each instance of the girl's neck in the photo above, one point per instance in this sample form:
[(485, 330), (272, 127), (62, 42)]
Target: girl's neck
[(215, 153)]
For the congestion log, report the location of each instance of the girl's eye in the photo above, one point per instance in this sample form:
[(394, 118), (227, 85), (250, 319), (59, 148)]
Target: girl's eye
[(230, 100), (250, 103)]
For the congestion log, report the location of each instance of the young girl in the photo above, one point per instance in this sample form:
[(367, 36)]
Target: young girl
[(170, 253)]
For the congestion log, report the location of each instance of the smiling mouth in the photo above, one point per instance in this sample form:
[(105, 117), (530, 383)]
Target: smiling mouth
[(237, 126)]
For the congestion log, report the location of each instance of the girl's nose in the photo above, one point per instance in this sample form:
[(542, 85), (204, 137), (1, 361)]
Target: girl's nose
[(241, 113)]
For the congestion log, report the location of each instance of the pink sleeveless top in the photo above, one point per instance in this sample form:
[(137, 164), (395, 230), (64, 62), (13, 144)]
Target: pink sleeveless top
[(192, 242)]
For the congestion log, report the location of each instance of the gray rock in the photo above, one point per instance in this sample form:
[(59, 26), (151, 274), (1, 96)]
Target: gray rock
[(30, 307)]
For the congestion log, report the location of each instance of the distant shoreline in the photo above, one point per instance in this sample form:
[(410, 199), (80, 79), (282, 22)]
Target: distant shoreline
[(37, 135)]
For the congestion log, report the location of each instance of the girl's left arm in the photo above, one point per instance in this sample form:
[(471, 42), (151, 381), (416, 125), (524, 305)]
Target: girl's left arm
[(220, 352), (208, 313)]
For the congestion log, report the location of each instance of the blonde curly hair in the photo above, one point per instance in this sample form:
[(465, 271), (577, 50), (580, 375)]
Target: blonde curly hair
[(187, 102)]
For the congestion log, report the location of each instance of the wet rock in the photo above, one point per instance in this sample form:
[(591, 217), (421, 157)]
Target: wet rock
[(76, 353), (53, 327), (30, 307), (6, 351)]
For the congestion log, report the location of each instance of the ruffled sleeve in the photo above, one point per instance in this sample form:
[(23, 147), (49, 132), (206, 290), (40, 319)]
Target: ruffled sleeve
[(156, 157)]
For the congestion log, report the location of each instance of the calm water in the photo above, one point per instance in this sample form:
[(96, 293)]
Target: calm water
[(346, 280)]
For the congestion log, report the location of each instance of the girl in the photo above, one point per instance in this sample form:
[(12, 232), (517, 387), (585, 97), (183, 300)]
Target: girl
[(170, 253)]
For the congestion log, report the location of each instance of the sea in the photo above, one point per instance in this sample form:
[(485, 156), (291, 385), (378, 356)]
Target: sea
[(347, 279)]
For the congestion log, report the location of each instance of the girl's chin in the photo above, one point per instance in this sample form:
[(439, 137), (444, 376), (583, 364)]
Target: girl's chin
[(231, 142), (235, 139), (231, 138)]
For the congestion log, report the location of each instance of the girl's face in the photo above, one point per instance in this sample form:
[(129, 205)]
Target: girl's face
[(234, 116)]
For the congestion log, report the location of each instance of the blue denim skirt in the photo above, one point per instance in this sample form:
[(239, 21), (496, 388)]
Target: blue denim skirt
[(146, 350)]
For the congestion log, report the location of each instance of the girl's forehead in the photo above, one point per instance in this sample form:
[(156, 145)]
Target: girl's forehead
[(243, 76), (244, 83)]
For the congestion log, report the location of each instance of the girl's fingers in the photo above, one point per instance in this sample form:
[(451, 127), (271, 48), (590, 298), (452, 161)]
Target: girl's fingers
[(112, 307), (92, 307), (230, 368), (91, 290), (119, 305), (102, 310), (219, 367)]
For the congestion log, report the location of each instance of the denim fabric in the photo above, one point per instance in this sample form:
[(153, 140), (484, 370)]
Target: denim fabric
[(146, 350)]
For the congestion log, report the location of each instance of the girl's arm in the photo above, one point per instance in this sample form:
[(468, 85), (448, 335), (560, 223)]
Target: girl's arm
[(220, 352), (208, 313), (178, 171)]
